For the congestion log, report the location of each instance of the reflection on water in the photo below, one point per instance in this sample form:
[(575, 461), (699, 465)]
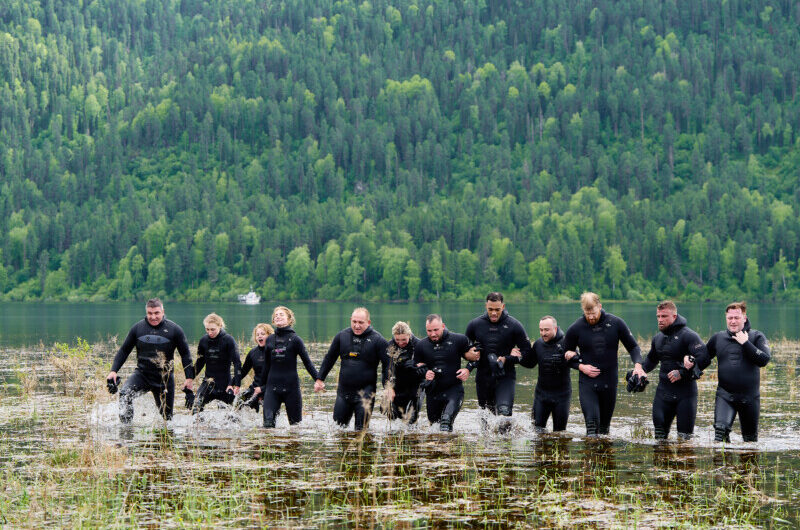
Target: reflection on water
[(221, 468)]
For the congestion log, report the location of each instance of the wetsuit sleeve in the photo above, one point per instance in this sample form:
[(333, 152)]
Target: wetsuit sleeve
[(529, 358), (470, 331), (419, 357), (385, 360), (185, 353), (310, 368), (571, 344), (201, 357), (709, 353), (522, 342), (756, 349), (329, 359), (652, 358), (265, 370), (124, 350), (237, 363), (247, 366), (627, 339)]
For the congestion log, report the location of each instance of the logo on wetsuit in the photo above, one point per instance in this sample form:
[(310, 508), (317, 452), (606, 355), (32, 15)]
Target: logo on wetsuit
[(356, 347), (279, 353)]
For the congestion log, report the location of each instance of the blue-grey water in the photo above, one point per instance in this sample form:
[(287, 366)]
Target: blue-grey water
[(31, 323)]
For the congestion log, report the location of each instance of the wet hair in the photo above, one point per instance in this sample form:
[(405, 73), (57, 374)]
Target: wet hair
[(548, 317), (215, 319), (154, 302), (432, 317), (289, 314), (494, 297), (266, 327), (668, 305), (401, 328), (364, 309), (589, 300), (737, 305)]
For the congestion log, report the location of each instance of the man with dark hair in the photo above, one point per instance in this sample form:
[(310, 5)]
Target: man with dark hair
[(361, 349), (494, 334), (553, 387), (741, 352), (155, 339), (676, 348), (440, 354), (597, 335)]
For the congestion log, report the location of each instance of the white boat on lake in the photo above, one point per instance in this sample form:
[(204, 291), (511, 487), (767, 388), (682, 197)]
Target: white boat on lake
[(250, 298)]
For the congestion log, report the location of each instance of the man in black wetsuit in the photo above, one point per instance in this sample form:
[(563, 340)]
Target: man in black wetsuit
[(676, 347), (597, 335), (217, 352), (361, 349), (741, 352), (440, 354), (155, 339), (404, 375), (496, 333), (553, 387)]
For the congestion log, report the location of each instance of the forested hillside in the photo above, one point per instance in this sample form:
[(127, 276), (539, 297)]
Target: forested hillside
[(404, 149)]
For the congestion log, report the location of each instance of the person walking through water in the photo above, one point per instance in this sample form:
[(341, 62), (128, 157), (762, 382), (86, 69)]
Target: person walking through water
[(741, 352), (218, 353), (596, 335), (281, 383), (155, 339), (255, 360), (404, 376), (361, 349)]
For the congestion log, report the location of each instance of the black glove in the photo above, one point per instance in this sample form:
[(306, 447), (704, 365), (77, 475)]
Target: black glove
[(635, 383), (189, 395), (113, 384), (495, 366)]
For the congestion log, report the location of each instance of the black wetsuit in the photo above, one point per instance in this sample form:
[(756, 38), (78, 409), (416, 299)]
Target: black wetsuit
[(445, 394), (494, 382), (553, 387), (255, 360), (678, 399), (358, 373), (597, 345), (405, 378), (281, 383), (739, 374), (217, 355), (155, 352)]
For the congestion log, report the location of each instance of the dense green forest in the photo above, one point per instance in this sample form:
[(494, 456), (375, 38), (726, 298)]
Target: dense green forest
[(399, 149)]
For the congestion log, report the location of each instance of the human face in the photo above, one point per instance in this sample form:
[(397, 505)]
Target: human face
[(154, 315), (735, 320), (592, 315), (359, 322), (261, 336), (401, 339), (280, 318), (212, 330), (665, 318), (434, 329), (494, 310), (547, 329)]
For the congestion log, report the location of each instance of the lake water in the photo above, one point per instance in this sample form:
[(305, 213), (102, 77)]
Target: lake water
[(31, 323)]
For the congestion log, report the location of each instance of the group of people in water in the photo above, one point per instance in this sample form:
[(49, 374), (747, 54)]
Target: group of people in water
[(432, 370)]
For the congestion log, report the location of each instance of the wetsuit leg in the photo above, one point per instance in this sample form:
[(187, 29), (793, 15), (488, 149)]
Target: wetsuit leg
[(560, 409), (485, 389), (453, 397), (203, 395), (404, 407), (165, 397), (272, 404), (542, 408), (664, 410), (749, 408), (362, 407), (608, 400), (294, 405), (504, 395), (590, 406), (434, 405), (342, 409), (687, 413), (724, 414), (135, 385)]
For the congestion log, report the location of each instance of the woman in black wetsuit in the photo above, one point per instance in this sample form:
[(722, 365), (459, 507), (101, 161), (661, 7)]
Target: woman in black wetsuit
[(404, 376), (255, 361), (217, 352), (279, 376)]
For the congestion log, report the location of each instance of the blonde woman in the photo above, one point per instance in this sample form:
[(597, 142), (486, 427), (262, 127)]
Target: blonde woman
[(217, 352), (255, 360)]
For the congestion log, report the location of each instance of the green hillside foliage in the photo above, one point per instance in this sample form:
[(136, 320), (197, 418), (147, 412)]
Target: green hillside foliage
[(404, 149)]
